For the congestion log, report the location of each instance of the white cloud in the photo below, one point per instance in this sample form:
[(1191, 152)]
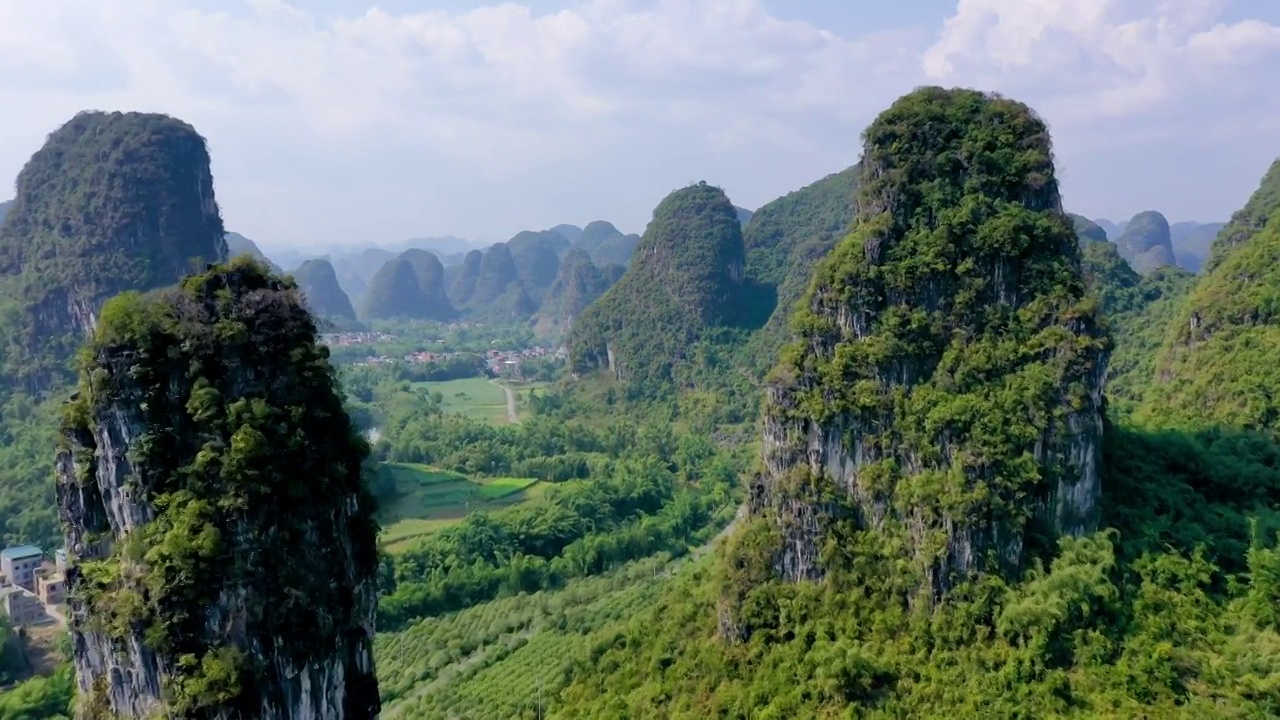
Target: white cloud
[(490, 97), (1098, 59), (378, 125)]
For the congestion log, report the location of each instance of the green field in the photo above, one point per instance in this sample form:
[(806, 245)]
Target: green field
[(476, 398), (480, 398), (427, 499)]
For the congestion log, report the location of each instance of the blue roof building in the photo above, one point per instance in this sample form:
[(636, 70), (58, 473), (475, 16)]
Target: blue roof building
[(20, 552)]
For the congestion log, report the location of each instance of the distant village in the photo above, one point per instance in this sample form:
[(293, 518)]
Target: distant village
[(32, 589), (499, 362)]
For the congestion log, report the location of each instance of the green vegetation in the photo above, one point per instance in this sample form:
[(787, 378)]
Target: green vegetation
[(1139, 311), (606, 244), (463, 286), (785, 239), (578, 284), (238, 244), (536, 256), (1249, 220), (475, 398), (1146, 243), (111, 202), (1087, 230), (409, 286), (415, 500), (1169, 611), (687, 278), (319, 285), (509, 658), (954, 303), (1215, 366), (40, 698), (245, 461)]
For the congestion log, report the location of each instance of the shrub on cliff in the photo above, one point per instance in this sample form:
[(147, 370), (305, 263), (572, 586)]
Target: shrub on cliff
[(208, 447)]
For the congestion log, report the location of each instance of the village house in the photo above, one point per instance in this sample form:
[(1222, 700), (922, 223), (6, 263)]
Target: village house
[(19, 565), (51, 587), (22, 606)]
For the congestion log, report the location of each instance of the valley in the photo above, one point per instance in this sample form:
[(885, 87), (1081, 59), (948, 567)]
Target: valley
[(912, 439)]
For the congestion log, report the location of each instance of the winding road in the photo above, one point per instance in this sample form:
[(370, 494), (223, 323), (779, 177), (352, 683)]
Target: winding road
[(511, 402)]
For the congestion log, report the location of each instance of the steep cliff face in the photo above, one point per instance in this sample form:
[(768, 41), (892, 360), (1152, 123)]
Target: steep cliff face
[(497, 271), (223, 548), (578, 284), (686, 276), (945, 394), (1146, 243), (111, 202), (319, 285), (463, 285), (433, 302), (1218, 366)]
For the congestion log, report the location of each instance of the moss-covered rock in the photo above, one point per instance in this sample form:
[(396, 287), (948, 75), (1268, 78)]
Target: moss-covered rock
[(686, 276), (223, 546), (944, 395), (111, 202)]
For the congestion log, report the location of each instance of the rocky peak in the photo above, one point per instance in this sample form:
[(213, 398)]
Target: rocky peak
[(111, 202), (945, 393), (1146, 242), (223, 548)]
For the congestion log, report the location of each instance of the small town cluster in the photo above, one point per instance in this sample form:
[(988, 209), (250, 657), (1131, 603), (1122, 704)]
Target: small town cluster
[(32, 588), (499, 362)]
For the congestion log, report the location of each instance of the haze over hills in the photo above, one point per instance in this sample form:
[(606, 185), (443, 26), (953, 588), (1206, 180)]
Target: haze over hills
[(321, 291), (1145, 242)]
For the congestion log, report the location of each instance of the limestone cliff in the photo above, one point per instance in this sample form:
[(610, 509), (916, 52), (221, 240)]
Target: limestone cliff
[(223, 548), (1146, 243), (685, 278), (111, 202), (945, 393), (319, 285)]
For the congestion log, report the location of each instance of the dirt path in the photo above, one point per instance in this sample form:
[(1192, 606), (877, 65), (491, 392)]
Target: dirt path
[(511, 402)]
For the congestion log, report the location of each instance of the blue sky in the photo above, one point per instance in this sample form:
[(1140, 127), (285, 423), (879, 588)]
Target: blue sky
[(338, 122)]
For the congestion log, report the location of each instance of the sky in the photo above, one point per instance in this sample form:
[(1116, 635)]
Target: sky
[(346, 123)]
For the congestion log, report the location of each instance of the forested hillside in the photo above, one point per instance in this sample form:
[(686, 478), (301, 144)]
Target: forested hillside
[(881, 586), (686, 278), (411, 285), (238, 244), (578, 284), (111, 202), (606, 244), (785, 239), (1215, 367)]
